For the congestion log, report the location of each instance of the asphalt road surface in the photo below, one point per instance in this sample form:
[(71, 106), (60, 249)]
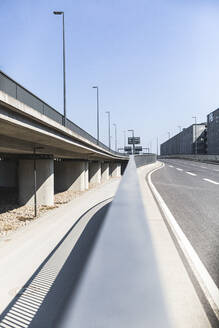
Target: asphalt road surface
[(191, 191)]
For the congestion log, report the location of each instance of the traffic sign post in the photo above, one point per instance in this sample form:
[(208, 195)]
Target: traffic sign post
[(135, 140), (128, 148)]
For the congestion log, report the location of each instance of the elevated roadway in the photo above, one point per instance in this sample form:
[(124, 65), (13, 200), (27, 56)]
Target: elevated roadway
[(47, 156), (23, 127)]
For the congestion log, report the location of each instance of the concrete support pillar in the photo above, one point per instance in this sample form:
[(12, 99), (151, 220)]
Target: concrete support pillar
[(115, 170), (8, 174), (104, 172), (45, 182), (86, 175), (70, 174), (94, 173)]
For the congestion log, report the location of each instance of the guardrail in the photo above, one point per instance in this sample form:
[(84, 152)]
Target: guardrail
[(120, 285), (17, 91)]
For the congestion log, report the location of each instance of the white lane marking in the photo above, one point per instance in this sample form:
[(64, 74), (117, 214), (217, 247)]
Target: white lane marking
[(178, 169), (203, 167), (190, 173), (215, 170), (201, 273), (170, 165), (211, 181)]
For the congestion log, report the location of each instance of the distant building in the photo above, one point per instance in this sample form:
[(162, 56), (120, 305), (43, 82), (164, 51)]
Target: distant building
[(187, 141), (213, 132)]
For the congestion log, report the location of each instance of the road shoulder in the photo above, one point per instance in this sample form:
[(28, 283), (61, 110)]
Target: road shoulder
[(183, 304)]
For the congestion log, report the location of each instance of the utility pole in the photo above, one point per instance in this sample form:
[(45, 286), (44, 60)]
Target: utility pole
[(180, 129), (195, 117), (115, 136), (35, 178), (63, 44), (98, 115), (124, 132), (108, 113), (133, 140)]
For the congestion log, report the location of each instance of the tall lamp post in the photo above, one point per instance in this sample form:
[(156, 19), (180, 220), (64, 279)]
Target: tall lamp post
[(180, 129), (115, 136), (124, 132), (63, 43), (133, 141), (108, 113), (98, 119), (195, 117)]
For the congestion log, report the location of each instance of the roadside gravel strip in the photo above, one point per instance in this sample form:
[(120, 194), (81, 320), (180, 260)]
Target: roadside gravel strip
[(205, 281)]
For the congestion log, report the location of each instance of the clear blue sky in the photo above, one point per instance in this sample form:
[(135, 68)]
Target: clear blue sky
[(156, 62)]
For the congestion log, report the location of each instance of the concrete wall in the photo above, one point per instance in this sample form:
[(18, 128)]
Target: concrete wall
[(201, 158), (104, 172), (94, 173), (185, 141), (141, 160), (115, 170), (8, 173), (86, 177), (45, 181), (213, 132), (70, 174)]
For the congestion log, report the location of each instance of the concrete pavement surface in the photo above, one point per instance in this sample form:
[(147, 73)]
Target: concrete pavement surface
[(191, 192), (183, 304), (25, 250)]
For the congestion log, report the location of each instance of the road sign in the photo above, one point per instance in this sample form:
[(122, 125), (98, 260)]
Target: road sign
[(128, 148), (138, 148), (136, 140)]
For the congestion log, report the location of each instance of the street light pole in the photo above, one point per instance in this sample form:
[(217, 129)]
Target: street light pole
[(133, 141), (98, 119), (115, 136), (124, 139), (35, 178), (64, 78), (108, 113), (195, 117)]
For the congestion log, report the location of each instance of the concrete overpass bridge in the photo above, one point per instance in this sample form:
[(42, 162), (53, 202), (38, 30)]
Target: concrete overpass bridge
[(88, 264), (33, 138)]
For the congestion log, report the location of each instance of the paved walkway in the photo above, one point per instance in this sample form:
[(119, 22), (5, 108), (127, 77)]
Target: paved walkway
[(26, 249)]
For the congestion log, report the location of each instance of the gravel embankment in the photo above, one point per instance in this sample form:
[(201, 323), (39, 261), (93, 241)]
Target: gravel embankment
[(13, 216)]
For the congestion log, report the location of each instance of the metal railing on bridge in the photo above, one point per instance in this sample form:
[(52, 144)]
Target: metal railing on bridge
[(17, 91), (120, 286)]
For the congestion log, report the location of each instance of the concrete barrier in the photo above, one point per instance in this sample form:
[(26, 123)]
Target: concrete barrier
[(198, 157), (141, 160)]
